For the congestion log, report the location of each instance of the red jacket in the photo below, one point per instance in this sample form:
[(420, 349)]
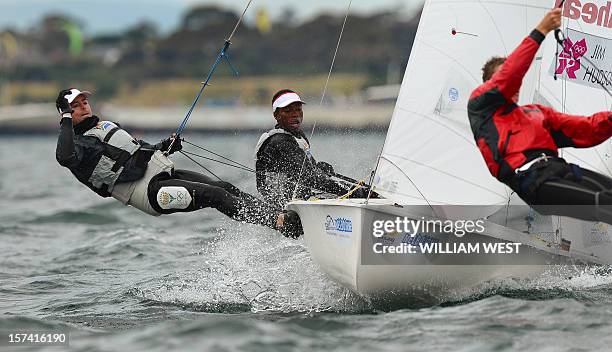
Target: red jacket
[(509, 135)]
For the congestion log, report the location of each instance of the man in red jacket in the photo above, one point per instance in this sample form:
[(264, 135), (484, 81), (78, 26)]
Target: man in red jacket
[(520, 143)]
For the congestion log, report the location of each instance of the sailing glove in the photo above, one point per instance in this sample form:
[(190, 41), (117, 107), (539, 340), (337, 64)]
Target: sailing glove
[(165, 144), (363, 191), (62, 105)]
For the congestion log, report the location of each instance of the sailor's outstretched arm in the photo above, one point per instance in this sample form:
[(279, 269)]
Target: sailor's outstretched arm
[(578, 131), (508, 79), (510, 76)]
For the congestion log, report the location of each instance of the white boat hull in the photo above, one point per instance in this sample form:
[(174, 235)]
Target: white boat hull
[(339, 253)]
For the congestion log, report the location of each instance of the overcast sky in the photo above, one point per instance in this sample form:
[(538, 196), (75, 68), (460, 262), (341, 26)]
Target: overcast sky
[(107, 16)]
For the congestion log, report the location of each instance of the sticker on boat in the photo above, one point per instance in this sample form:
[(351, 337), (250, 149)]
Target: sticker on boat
[(339, 227)]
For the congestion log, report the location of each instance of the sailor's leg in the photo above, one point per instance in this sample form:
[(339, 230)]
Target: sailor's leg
[(582, 199), (596, 180), (566, 198), (189, 175), (603, 198), (175, 195)]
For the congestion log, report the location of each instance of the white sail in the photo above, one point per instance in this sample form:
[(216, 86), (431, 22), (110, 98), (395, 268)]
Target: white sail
[(576, 90), (430, 155)]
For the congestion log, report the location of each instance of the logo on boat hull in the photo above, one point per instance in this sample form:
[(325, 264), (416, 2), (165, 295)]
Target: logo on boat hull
[(339, 227)]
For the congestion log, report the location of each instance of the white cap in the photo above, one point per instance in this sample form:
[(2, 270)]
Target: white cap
[(75, 93), (285, 99)]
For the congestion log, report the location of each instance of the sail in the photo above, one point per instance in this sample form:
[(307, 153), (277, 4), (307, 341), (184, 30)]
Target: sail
[(430, 156), (578, 89)]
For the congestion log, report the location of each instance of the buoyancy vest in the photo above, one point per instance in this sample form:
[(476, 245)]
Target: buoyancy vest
[(118, 148), (302, 142), (273, 185)]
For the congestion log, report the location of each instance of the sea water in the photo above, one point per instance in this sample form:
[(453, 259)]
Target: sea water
[(118, 279)]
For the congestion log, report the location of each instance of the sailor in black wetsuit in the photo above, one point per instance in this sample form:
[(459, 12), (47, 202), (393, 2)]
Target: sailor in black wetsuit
[(108, 160), (280, 153)]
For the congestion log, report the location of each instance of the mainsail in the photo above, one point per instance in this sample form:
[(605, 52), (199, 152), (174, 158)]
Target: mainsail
[(578, 89), (429, 156)]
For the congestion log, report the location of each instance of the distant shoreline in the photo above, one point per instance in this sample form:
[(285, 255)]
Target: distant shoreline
[(38, 119), (17, 131)]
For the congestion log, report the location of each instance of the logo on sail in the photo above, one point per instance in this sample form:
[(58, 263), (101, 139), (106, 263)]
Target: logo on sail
[(588, 12), (453, 94), (574, 67), (569, 59)]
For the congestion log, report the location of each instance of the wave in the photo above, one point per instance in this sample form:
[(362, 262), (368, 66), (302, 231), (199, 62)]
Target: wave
[(87, 216), (28, 323)]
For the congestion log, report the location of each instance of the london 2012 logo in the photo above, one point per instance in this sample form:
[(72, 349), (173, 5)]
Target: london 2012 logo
[(582, 59), (336, 225), (569, 59)]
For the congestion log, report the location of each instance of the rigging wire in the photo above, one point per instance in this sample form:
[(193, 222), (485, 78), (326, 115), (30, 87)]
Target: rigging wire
[(200, 165), (219, 155), (331, 68), (239, 21), (222, 55), (340, 178), (219, 161)]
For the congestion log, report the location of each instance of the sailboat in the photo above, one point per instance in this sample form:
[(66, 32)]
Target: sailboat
[(430, 167)]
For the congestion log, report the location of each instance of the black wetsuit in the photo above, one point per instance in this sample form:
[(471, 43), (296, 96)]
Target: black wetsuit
[(555, 187), (281, 155), (81, 154)]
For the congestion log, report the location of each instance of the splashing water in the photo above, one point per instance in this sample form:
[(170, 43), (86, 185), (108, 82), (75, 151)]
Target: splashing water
[(252, 268)]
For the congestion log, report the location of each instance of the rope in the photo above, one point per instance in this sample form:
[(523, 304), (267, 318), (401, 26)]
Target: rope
[(353, 190), (557, 49), (560, 39), (221, 55), (331, 68)]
